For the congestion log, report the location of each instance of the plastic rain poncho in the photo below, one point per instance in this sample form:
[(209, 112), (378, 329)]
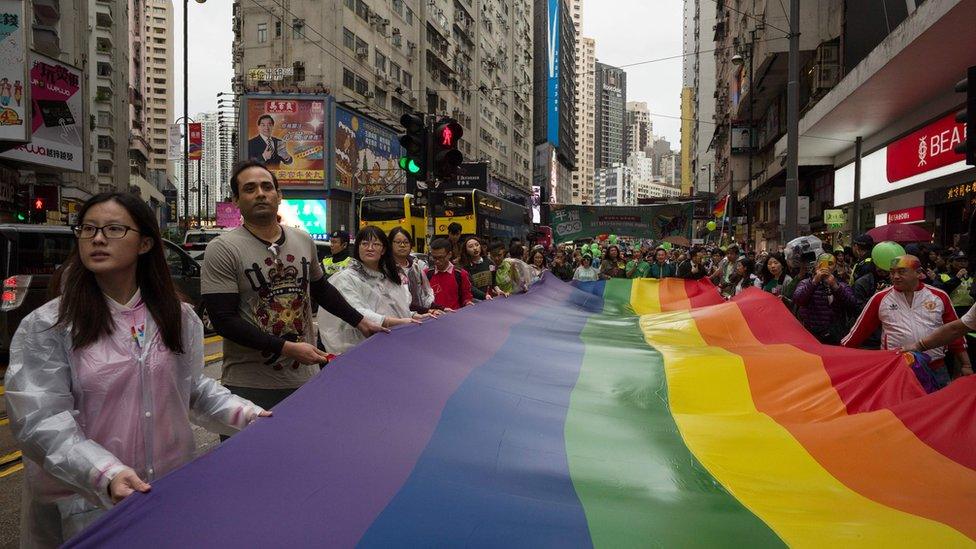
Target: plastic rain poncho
[(81, 416)]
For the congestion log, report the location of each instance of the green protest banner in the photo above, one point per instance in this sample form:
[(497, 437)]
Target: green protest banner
[(657, 222)]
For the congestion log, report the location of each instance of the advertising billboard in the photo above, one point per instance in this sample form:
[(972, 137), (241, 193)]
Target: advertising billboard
[(14, 93), (228, 215), (57, 120), (366, 155), (196, 140), (287, 134), (552, 85), (308, 214)]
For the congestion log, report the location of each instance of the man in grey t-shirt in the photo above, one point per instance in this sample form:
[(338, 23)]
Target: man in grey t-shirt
[(258, 283)]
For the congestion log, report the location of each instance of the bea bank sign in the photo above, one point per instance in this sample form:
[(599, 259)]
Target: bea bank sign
[(924, 154), (926, 149)]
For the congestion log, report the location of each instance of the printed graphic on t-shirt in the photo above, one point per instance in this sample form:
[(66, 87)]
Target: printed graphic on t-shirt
[(281, 304)]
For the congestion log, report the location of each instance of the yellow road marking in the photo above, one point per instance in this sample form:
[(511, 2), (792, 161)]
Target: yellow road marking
[(4, 421), (2, 389), (213, 358), (212, 339), (12, 470)]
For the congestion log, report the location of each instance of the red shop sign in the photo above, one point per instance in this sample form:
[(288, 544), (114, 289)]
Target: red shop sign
[(907, 215), (926, 149)]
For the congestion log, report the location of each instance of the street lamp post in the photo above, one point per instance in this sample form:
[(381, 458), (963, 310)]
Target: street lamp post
[(186, 108), (793, 126), (738, 62)]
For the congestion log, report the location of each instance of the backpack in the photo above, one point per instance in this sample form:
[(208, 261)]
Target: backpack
[(457, 280)]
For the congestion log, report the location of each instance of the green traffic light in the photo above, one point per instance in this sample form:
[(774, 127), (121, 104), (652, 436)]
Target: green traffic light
[(409, 165), (21, 217)]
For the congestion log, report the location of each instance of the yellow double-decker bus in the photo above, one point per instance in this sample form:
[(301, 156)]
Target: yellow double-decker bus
[(398, 210), (481, 214)]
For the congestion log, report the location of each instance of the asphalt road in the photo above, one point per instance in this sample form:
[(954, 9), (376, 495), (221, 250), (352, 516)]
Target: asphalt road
[(11, 468)]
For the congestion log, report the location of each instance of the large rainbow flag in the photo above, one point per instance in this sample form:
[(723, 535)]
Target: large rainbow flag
[(615, 414)]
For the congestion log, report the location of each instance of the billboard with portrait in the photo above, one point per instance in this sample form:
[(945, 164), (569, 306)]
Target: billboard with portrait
[(366, 155), (57, 120), (287, 134)]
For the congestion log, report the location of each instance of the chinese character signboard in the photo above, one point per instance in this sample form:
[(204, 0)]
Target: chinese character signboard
[(366, 155), (174, 143), (570, 222), (196, 140), (907, 215), (57, 121), (287, 134), (835, 219), (14, 93)]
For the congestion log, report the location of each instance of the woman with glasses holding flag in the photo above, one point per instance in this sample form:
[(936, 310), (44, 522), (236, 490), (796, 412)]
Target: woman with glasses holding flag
[(104, 380), (373, 285)]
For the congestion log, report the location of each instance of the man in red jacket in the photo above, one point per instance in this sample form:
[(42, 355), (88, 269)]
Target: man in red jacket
[(451, 284)]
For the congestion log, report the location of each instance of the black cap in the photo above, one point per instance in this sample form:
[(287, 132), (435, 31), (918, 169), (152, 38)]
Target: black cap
[(341, 235), (864, 241), (960, 255)]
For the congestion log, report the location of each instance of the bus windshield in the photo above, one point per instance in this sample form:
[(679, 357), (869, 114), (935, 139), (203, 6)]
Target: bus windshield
[(382, 209), (455, 205)]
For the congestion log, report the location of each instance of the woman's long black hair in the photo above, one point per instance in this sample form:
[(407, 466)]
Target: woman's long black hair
[(387, 263), (83, 306)]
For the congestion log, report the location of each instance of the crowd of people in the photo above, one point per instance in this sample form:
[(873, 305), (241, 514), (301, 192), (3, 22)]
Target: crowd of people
[(104, 380)]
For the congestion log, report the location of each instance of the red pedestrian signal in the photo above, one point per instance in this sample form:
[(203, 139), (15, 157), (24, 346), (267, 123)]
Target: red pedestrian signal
[(38, 203), (447, 157)]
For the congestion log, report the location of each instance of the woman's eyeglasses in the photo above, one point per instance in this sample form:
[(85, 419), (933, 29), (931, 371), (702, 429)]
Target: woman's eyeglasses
[(112, 231)]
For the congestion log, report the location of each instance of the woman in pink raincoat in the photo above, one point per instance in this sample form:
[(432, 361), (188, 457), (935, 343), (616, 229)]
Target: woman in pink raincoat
[(103, 381)]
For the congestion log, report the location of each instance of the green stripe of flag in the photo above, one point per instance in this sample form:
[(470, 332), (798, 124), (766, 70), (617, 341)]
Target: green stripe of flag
[(639, 484)]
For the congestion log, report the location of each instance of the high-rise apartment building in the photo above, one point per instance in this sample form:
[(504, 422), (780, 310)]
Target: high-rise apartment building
[(640, 129), (584, 174), (207, 186), (109, 75), (698, 95), (610, 134), (158, 54), (384, 58), (554, 120), (615, 186)]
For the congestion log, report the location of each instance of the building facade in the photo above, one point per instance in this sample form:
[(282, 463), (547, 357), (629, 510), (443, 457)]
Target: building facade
[(584, 110), (158, 62), (207, 185), (110, 77), (386, 58), (615, 186), (698, 95), (610, 136), (640, 129), (555, 93)]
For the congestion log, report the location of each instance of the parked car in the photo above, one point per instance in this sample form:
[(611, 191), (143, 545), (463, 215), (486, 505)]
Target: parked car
[(31, 254), (195, 241)]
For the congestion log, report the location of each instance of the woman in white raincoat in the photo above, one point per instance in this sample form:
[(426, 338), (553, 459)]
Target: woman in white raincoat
[(103, 381), (372, 284)]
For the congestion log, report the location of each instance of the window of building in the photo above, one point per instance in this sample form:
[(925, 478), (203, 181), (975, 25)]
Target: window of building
[(379, 98), (299, 71), (348, 39), (409, 16), (262, 33), (394, 71), (380, 62), (407, 80), (298, 28), (277, 29), (398, 7), (362, 48), (348, 79), (362, 10), (361, 85), (351, 4)]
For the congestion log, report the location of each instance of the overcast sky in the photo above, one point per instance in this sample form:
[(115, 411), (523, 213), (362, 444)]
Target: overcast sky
[(626, 31)]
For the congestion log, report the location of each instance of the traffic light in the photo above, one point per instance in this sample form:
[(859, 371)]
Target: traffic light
[(967, 116), (414, 141), (447, 157), (38, 204)]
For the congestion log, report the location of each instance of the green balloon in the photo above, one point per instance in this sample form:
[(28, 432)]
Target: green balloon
[(884, 253), (613, 239), (666, 246), (711, 225)]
